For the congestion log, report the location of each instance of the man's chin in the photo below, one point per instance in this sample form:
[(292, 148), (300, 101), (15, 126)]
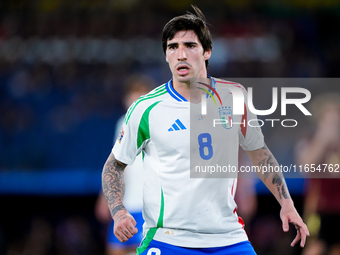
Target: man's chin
[(184, 79)]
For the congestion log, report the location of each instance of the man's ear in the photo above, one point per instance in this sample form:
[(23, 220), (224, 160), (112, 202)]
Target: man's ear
[(207, 54), (166, 57)]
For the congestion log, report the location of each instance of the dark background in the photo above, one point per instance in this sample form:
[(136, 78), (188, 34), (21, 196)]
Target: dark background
[(62, 70)]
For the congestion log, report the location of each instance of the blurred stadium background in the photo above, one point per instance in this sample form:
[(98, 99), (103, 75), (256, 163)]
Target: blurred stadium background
[(62, 66)]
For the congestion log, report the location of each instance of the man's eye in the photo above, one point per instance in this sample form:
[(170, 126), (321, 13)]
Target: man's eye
[(191, 46), (171, 47)]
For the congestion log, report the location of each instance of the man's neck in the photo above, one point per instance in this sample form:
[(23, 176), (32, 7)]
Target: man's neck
[(183, 88)]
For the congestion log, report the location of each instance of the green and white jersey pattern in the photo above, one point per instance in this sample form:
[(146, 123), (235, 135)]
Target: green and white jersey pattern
[(179, 210)]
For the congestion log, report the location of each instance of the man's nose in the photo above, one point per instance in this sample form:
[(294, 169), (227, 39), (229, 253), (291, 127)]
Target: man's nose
[(181, 54)]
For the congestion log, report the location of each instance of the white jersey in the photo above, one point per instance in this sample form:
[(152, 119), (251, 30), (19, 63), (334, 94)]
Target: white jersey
[(177, 209)]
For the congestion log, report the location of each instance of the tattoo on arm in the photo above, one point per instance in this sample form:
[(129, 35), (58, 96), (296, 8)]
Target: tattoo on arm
[(113, 184), (268, 160), (277, 178)]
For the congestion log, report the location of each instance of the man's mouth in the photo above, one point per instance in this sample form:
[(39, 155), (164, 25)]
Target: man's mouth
[(182, 70)]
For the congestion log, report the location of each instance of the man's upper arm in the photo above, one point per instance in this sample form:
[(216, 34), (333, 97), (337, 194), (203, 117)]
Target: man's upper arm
[(113, 162), (255, 155)]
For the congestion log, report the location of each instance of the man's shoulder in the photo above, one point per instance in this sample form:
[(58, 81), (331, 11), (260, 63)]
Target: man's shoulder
[(145, 102), (227, 82), (230, 86), (157, 91)]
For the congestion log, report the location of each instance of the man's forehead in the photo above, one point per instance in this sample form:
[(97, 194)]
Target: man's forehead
[(188, 35)]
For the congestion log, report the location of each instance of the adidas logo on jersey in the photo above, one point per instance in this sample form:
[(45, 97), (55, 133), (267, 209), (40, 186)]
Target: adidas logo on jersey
[(169, 232), (178, 125)]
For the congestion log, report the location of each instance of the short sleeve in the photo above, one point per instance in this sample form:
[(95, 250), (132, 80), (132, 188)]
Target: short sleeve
[(250, 133), (118, 128), (125, 147)]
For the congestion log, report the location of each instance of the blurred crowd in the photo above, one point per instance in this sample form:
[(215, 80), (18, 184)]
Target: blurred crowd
[(63, 65)]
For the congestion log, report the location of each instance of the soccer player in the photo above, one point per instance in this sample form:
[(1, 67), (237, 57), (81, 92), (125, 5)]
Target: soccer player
[(186, 215)]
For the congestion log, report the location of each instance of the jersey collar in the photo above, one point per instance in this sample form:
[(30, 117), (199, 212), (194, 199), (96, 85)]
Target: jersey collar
[(178, 96), (174, 93)]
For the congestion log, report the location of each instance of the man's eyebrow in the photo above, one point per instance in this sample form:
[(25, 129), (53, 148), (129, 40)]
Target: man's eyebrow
[(191, 43), (186, 43), (172, 44)]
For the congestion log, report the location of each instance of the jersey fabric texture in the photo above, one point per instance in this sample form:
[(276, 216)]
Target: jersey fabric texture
[(159, 248), (179, 210)]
